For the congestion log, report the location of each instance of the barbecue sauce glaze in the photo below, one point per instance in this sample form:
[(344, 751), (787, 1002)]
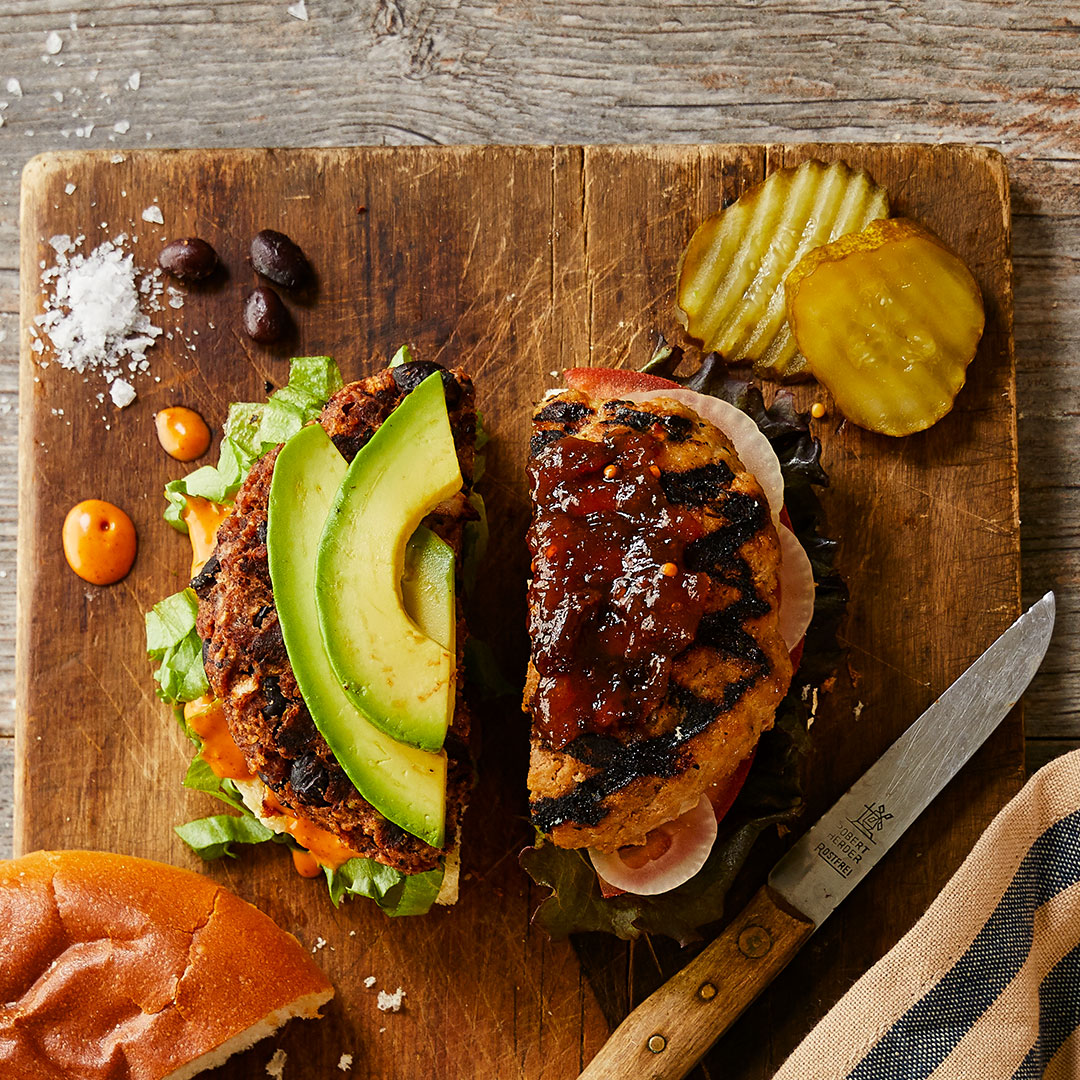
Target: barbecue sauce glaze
[(611, 601)]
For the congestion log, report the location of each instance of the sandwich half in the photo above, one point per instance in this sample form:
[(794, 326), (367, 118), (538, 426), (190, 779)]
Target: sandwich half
[(658, 651), (343, 759)]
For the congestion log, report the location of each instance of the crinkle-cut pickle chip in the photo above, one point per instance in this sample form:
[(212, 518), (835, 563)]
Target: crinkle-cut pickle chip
[(888, 321), (731, 279)]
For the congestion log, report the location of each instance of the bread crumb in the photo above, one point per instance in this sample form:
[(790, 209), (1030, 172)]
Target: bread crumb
[(369, 982), (275, 1067), (345, 1062), (391, 1002)]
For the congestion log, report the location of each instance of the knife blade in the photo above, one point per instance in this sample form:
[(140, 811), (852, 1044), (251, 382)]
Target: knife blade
[(665, 1036)]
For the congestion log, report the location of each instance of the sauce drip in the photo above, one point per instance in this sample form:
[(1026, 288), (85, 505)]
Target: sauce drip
[(99, 541), (183, 433), (611, 602), (202, 517), (206, 717)]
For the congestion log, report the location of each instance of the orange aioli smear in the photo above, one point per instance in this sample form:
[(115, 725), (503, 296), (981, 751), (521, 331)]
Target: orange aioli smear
[(99, 541), (183, 433), (206, 718), (322, 844), (202, 517)]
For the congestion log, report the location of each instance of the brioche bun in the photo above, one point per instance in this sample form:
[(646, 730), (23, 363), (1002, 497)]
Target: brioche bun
[(122, 967)]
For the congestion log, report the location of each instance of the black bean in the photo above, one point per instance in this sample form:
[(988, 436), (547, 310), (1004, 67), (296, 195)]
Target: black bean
[(276, 257), (276, 702), (409, 376), (265, 316), (190, 259), (204, 580), (309, 779)]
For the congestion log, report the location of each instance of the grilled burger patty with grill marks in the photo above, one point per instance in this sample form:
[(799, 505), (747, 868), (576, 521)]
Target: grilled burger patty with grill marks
[(657, 659), (244, 653)]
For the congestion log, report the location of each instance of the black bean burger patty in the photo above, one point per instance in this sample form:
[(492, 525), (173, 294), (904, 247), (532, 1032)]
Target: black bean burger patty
[(244, 653)]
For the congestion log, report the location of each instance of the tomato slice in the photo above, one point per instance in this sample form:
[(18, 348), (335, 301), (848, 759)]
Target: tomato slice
[(608, 383)]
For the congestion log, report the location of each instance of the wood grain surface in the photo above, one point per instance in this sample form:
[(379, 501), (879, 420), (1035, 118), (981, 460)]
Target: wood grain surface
[(514, 262)]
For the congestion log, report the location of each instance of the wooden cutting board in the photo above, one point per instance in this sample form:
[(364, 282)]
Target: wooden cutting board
[(514, 262)]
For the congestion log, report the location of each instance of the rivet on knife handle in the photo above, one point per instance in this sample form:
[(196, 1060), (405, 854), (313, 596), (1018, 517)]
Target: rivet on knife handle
[(666, 1035)]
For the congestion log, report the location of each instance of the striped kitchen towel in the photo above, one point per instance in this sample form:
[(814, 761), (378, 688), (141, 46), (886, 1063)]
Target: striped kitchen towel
[(986, 986)]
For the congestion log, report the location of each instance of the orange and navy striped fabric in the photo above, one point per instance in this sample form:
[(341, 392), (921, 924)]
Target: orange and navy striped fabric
[(986, 986)]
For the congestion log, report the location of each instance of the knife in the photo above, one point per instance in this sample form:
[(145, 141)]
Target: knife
[(666, 1035)]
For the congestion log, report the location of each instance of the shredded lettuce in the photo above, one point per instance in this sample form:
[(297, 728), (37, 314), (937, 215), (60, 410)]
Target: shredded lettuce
[(253, 428), (772, 794), (171, 637)]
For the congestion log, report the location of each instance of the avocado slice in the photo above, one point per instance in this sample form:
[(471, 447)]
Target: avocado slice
[(427, 586), (408, 786), (398, 676)]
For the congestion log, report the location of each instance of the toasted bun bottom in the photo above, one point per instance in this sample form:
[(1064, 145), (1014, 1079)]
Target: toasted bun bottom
[(117, 967)]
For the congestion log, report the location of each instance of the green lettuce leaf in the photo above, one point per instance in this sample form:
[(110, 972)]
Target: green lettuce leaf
[(772, 794), (395, 893), (251, 429), (200, 777), (171, 637), (212, 837)]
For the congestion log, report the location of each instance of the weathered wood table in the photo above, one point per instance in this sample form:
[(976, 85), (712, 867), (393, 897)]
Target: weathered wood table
[(255, 73)]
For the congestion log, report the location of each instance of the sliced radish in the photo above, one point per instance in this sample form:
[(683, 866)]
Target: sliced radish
[(796, 588), (672, 853), (754, 450)]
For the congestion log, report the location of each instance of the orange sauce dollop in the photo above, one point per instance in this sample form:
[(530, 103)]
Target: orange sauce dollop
[(99, 541), (183, 433)]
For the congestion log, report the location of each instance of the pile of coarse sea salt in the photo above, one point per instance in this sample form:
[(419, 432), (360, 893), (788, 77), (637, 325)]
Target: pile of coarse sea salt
[(96, 313)]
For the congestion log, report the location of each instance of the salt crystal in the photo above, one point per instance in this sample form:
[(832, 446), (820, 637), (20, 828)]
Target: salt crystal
[(275, 1067), (1, 121), (153, 214), (59, 96), (133, 81), (13, 87), (69, 189), (121, 127), (369, 982), (390, 1002), (345, 1062), (176, 298), (117, 159), (299, 10), (92, 314), (122, 393), (53, 43)]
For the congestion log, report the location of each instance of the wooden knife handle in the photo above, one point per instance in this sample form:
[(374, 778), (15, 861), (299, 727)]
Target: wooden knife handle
[(670, 1031)]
